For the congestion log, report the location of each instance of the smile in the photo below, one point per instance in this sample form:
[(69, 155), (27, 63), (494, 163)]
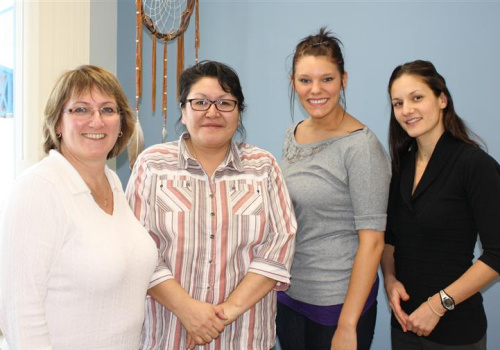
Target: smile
[(318, 102), (413, 120), (94, 136)]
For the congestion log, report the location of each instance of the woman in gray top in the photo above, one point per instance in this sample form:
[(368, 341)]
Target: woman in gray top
[(338, 175)]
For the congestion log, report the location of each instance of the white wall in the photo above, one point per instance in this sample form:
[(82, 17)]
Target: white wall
[(52, 37)]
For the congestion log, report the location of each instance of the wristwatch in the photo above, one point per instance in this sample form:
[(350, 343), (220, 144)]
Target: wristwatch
[(447, 301)]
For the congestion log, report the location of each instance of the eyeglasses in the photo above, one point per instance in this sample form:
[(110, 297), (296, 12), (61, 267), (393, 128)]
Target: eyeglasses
[(204, 104), (86, 112)]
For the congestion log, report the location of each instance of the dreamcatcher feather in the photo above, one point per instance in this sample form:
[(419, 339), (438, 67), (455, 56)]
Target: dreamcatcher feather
[(166, 20), (136, 143)]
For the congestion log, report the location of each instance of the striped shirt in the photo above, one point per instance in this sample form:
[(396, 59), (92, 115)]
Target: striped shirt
[(210, 232)]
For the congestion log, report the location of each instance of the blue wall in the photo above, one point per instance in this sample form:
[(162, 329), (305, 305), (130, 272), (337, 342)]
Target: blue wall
[(257, 38)]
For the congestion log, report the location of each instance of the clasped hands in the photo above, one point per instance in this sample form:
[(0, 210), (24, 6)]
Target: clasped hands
[(204, 322), (422, 321)]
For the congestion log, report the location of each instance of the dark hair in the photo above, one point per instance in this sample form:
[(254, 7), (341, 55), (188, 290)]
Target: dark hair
[(75, 83), (324, 43), (228, 80), (399, 140)]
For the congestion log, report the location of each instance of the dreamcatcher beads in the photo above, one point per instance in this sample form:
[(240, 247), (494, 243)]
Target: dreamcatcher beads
[(136, 143), (164, 101)]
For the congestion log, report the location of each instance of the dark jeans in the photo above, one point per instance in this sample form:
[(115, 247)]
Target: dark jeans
[(410, 341), (297, 332)]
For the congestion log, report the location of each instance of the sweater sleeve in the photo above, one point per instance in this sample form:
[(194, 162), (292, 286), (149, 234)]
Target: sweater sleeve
[(32, 233), (393, 188), (369, 176), (482, 183)]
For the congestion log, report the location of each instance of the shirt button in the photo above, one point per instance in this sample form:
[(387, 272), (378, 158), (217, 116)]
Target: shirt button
[(208, 288), (211, 236), (211, 195), (210, 261), (212, 214)]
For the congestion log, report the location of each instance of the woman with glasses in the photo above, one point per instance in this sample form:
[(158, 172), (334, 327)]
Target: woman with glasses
[(445, 191), (338, 175), (74, 261), (222, 220)]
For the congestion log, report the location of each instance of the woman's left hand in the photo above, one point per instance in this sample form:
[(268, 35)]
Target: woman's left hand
[(345, 339), (229, 313), (219, 312), (422, 321)]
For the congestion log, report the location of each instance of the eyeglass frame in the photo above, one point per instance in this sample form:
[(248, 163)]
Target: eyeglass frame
[(212, 103), (71, 111)]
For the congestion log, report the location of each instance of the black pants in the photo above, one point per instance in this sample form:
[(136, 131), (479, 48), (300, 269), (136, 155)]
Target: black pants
[(297, 332), (410, 341)]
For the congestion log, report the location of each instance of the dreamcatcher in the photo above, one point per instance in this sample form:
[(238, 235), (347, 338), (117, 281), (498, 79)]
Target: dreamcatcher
[(166, 20)]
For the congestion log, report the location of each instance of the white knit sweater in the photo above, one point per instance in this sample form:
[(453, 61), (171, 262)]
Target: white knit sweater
[(71, 276)]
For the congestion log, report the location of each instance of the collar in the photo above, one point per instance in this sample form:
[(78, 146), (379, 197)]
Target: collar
[(445, 149), (232, 159), (72, 177)]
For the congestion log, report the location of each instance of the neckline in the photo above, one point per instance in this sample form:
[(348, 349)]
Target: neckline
[(328, 140)]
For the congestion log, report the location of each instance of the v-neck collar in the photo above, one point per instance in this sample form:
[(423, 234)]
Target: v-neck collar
[(443, 152)]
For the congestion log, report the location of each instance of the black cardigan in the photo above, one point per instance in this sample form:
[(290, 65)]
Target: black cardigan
[(434, 231)]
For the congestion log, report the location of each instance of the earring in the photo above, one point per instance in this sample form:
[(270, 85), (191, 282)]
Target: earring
[(58, 136), (120, 134)]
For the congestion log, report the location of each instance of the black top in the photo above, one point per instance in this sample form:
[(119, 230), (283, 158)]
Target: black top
[(434, 231)]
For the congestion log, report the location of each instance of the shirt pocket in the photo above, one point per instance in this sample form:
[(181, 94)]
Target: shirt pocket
[(246, 197), (174, 195)]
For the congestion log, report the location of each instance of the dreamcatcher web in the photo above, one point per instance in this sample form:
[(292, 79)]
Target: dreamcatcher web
[(165, 15), (166, 20)]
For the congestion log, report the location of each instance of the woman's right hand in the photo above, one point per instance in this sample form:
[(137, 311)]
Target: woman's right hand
[(201, 322), (395, 293)]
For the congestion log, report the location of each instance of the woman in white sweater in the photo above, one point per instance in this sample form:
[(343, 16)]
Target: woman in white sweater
[(74, 262)]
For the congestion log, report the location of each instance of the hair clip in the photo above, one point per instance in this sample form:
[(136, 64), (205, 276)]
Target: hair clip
[(320, 43)]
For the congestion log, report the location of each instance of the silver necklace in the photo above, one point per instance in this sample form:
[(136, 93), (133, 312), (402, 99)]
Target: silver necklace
[(97, 198)]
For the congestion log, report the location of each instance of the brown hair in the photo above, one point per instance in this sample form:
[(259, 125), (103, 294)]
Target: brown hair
[(399, 140), (77, 82)]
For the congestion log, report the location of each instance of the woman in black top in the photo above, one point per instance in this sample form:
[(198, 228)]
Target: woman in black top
[(445, 190)]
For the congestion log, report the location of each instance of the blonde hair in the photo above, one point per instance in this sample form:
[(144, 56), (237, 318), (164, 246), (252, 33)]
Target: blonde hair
[(75, 83)]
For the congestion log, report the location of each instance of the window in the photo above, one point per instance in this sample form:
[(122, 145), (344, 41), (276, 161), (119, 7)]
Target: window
[(7, 22)]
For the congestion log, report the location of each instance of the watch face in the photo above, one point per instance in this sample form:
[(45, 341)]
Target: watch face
[(448, 303)]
